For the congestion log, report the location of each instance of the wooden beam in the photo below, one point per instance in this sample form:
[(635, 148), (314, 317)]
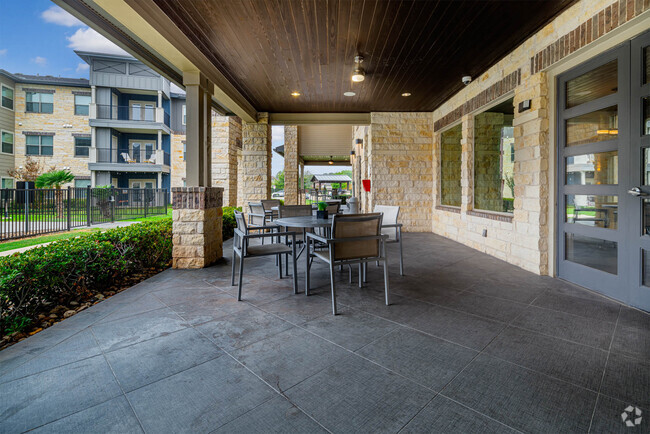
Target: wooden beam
[(319, 118)]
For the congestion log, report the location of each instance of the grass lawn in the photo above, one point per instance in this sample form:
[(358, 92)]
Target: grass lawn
[(151, 218), (26, 242)]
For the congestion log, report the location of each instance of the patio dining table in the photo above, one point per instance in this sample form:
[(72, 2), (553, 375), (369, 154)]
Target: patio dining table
[(304, 222)]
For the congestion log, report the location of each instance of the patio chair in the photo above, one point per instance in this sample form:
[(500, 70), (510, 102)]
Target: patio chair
[(294, 211), (333, 207), (126, 157), (243, 249), (268, 205), (356, 239), (390, 227), (256, 217)]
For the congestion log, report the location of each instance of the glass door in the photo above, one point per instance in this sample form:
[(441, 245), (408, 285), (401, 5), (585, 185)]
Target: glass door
[(638, 193), (593, 137)]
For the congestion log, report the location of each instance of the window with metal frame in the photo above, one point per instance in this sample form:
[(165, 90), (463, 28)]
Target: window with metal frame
[(82, 146), (39, 102), (81, 105), (7, 97), (39, 145), (7, 142)]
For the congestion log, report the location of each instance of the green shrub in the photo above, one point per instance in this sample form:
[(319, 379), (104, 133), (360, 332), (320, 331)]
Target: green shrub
[(64, 270), (229, 222)]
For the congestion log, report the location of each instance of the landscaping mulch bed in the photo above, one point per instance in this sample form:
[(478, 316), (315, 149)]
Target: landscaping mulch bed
[(61, 312)]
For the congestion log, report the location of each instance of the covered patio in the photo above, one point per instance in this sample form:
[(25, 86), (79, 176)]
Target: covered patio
[(469, 344)]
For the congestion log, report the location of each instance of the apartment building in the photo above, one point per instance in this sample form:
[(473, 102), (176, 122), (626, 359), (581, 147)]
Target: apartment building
[(7, 133)]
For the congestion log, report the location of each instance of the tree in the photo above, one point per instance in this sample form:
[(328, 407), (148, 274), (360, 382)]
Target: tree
[(278, 181), (55, 179), (30, 171)]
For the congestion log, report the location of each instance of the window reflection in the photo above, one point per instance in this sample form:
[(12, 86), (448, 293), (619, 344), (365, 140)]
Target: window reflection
[(592, 127), (590, 169), (592, 252), (590, 210), (595, 84), (450, 162)]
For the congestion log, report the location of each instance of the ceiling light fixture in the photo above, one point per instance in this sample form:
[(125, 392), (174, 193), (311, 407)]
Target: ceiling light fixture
[(295, 93), (349, 93), (359, 74), (406, 94), (331, 160)]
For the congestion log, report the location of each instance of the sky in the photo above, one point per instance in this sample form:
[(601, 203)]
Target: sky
[(38, 37)]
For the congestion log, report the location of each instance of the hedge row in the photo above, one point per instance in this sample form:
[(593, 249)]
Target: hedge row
[(229, 222), (64, 270)]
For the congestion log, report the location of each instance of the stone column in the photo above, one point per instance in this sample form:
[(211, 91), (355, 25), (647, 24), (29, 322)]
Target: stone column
[(291, 163), (256, 161), (226, 140), (197, 129), (197, 230)]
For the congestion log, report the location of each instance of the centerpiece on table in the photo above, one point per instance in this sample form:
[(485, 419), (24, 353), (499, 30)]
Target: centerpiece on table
[(322, 211)]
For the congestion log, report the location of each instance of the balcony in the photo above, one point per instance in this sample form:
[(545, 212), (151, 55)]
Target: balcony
[(131, 117), (133, 159)]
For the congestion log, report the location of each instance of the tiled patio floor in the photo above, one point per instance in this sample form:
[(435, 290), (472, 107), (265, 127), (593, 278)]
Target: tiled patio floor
[(471, 344)]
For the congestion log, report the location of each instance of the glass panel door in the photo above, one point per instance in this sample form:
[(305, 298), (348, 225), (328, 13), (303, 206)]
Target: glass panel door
[(593, 120), (135, 152)]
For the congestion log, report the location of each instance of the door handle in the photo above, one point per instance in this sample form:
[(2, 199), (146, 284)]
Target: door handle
[(636, 191)]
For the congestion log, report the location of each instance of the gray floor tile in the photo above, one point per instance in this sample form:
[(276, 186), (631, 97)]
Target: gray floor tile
[(587, 331), (244, 328), (443, 415), (603, 310), (138, 328), (141, 364), (216, 305), (77, 347), (351, 328), (299, 309), (187, 294), (461, 328), (44, 397), (571, 362), (277, 416), (426, 360), (144, 303), (634, 318), (199, 399), (627, 379), (607, 417), (487, 307), (526, 400), (521, 290), (114, 416), (302, 355), (351, 396), (399, 310), (632, 341)]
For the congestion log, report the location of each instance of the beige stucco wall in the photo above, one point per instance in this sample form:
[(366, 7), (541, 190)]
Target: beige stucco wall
[(56, 122)]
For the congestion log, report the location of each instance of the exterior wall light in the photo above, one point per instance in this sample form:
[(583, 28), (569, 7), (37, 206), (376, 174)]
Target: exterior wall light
[(359, 74), (331, 160)]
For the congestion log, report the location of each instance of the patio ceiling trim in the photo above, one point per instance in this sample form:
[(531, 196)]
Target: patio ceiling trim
[(319, 118), (143, 30)]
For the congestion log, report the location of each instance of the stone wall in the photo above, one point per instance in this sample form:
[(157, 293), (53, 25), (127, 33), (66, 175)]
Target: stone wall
[(62, 122), (400, 166), (197, 226), (291, 165), (255, 166), (226, 140)]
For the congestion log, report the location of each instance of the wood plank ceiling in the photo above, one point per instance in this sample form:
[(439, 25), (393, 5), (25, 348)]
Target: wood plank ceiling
[(271, 48)]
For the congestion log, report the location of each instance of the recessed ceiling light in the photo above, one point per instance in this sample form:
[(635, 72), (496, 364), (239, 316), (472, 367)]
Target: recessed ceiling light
[(359, 74), (349, 93), (295, 93), (406, 94)]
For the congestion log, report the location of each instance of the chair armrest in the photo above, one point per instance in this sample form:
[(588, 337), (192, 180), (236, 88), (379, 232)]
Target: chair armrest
[(317, 237), (272, 234), (397, 225), (353, 239)]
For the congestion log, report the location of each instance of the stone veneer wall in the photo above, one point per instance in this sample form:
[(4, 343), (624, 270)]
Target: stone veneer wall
[(197, 226), (291, 165), (63, 114), (400, 166), (255, 165), (226, 140)]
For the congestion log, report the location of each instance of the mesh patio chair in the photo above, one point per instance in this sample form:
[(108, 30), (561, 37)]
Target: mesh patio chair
[(333, 207), (390, 227), (294, 211), (356, 239), (268, 205), (242, 248)]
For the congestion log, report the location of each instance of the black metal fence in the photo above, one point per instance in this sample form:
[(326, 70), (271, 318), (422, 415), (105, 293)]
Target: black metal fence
[(25, 213)]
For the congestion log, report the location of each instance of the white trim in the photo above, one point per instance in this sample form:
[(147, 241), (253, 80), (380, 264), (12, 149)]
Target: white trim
[(184, 114), (142, 181), (13, 89), (13, 145)]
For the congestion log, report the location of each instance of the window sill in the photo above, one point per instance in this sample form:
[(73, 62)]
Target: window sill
[(492, 215), (454, 209)]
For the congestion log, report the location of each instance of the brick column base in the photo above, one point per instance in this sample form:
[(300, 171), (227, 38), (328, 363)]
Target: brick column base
[(197, 232)]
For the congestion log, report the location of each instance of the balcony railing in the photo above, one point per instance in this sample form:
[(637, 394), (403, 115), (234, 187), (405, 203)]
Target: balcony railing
[(138, 113), (133, 155)]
